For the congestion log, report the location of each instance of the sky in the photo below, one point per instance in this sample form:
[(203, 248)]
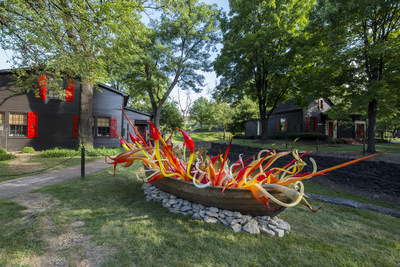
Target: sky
[(210, 77)]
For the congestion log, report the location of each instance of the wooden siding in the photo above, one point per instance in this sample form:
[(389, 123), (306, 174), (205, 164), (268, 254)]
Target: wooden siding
[(55, 117), (108, 104), (294, 121), (133, 117)]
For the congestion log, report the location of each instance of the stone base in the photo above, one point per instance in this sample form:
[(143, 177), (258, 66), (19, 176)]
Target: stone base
[(238, 222)]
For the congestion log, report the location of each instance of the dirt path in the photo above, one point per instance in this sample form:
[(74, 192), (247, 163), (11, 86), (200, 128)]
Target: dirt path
[(22, 163), (61, 240)]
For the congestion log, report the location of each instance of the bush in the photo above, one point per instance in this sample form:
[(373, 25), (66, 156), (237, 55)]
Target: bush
[(338, 141), (204, 130), (102, 151), (381, 141), (57, 152), (28, 149), (291, 136), (67, 153), (302, 136), (243, 136), (5, 156)]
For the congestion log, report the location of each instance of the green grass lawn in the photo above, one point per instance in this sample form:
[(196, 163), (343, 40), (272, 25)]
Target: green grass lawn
[(202, 136), (304, 146), (315, 188), (283, 145), (117, 215)]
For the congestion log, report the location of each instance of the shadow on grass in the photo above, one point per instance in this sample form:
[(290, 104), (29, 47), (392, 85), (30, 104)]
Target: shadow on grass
[(144, 233)]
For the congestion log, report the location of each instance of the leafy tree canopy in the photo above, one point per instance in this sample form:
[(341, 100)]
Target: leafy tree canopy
[(353, 51), (171, 118), (258, 50), (176, 47), (67, 39), (201, 111)]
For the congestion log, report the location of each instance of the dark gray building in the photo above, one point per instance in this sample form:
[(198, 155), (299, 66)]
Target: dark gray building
[(288, 117), (44, 119)]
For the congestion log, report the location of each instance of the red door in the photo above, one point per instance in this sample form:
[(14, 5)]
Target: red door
[(330, 129), (360, 131), (142, 131), (32, 125)]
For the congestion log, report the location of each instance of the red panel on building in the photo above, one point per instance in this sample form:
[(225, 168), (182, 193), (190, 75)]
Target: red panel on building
[(70, 90), (308, 123), (113, 132), (32, 125), (316, 124), (75, 127), (42, 87)]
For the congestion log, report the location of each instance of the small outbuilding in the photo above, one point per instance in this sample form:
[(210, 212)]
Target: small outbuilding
[(290, 118)]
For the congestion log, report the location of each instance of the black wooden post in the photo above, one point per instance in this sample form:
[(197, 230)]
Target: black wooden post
[(286, 138), (83, 162), (317, 144), (363, 146)]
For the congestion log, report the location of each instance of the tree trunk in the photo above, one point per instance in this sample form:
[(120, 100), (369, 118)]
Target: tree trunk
[(372, 111), (264, 129), (157, 115), (86, 115), (263, 119)]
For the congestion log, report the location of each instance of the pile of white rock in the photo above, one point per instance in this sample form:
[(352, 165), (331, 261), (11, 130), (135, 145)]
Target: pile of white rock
[(253, 225)]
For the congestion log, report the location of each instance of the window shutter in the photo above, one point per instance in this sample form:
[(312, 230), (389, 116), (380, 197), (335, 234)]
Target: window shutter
[(75, 127), (316, 124), (70, 90), (286, 124), (308, 123), (113, 130), (42, 88), (279, 125), (32, 125)]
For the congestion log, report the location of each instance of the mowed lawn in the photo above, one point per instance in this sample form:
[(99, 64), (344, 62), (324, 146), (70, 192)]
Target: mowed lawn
[(143, 233)]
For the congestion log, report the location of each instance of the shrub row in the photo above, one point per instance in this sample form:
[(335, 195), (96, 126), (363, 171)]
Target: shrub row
[(338, 141), (291, 136), (64, 152)]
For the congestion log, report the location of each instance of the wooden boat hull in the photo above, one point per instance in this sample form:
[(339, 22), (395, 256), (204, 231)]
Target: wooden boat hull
[(234, 199)]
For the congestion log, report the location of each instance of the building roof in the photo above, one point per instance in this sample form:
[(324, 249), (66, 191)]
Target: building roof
[(137, 111)]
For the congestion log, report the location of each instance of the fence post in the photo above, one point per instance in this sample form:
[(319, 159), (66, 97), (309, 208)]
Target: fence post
[(83, 161), (363, 146), (286, 138), (317, 144)]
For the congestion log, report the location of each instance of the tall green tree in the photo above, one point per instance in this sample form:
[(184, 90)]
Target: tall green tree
[(242, 110), (354, 51), (221, 115), (67, 38), (201, 111), (178, 46), (171, 118), (258, 50)]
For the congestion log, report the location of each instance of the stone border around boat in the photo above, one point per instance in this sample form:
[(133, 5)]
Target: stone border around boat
[(237, 221)]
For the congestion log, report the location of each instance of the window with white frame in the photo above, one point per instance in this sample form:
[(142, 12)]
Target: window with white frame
[(321, 104), (2, 121), (18, 124), (103, 126)]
